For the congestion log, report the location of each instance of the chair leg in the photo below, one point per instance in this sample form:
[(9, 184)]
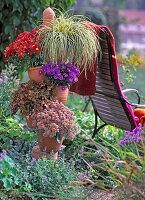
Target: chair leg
[(96, 121), (95, 132)]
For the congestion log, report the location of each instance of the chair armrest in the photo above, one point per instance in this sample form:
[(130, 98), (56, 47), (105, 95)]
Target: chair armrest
[(134, 91), (138, 105)]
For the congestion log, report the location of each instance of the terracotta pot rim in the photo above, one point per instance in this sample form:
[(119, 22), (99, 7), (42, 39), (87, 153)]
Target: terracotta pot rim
[(33, 68)]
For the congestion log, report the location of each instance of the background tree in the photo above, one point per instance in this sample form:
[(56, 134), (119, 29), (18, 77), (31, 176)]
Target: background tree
[(17, 16)]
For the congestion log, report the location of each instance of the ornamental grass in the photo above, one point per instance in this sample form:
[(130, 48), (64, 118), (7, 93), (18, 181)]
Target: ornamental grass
[(70, 38)]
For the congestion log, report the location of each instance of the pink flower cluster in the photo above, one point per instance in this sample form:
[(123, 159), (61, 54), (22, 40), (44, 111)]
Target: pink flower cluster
[(56, 118)]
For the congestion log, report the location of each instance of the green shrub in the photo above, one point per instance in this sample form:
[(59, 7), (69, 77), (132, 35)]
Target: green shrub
[(46, 179), (6, 89), (8, 172), (11, 131)]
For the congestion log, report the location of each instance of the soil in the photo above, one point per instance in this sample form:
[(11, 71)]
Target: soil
[(95, 195)]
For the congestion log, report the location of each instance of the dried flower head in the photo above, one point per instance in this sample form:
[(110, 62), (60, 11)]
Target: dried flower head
[(55, 119)]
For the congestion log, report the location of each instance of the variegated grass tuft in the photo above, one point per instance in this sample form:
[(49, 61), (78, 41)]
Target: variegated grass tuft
[(70, 38)]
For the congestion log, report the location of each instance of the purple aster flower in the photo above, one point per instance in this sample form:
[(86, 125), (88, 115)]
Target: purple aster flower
[(126, 132), (68, 70), (59, 66), (68, 64), (45, 177), (59, 74), (55, 76), (66, 75), (52, 71), (33, 160), (130, 133), (63, 67), (73, 67), (44, 69), (63, 88), (40, 72), (47, 67), (139, 139), (92, 163), (135, 139), (1, 169), (132, 136), (70, 79), (60, 77), (72, 74), (48, 71), (77, 71), (76, 79)]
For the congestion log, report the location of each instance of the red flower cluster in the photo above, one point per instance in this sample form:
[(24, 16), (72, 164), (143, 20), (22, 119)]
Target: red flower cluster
[(25, 43)]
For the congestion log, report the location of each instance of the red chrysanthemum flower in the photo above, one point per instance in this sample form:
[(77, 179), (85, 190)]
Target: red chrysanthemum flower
[(21, 53), (26, 44)]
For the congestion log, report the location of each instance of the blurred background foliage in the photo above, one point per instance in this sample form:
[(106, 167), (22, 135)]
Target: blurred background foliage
[(17, 16)]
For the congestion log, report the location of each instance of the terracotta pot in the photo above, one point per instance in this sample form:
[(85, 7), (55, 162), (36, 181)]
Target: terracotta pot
[(37, 153), (47, 144), (29, 121), (61, 95), (33, 73)]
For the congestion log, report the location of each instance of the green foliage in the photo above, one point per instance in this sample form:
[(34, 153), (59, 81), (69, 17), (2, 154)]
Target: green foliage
[(131, 74), (85, 120), (8, 173), (12, 73), (18, 16), (6, 88), (128, 63), (48, 179), (11, 131), (119, 166), (62, 5), (78, 102), (19, 150)]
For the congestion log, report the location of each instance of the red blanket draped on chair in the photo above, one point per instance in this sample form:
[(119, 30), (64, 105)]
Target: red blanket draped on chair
[(86, 84)]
